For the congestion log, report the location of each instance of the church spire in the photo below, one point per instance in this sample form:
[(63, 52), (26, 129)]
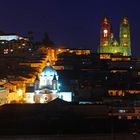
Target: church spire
[(54, 83), (54, 77), (105, 19), (105, 32), (124, 20)]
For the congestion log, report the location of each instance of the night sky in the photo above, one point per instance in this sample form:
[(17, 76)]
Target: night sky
[(74, 23)]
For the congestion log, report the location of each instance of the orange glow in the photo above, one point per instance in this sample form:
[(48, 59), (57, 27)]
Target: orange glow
[(19, 92), (125, 44), (59, 50)]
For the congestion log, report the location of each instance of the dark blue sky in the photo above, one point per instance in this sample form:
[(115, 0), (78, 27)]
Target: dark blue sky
[(75, 23)]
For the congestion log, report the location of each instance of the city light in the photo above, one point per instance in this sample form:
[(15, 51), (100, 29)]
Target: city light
[(19, 92)]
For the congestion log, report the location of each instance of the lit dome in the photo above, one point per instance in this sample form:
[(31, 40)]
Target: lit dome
[(49, 71), (47, 76)]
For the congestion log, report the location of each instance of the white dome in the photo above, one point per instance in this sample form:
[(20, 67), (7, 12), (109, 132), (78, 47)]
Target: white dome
[(47, 76), (49, 71)]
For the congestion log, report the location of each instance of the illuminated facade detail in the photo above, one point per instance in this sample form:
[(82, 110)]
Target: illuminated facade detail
[(10, 92), (66, 96), (9, 37), (120, 92), (40, 97), (76, 51), (105, 56), (116, 92), (107, 42), (125, 35)]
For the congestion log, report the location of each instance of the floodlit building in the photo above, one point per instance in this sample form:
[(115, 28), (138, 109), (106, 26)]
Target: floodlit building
[(12, 43), (75, 50), (8, 94), (45, 87), (48, 78), (108, 44)]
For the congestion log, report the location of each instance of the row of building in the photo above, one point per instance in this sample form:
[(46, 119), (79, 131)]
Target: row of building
[(110, 72), (83, 78), (18, 72), (12, 44)]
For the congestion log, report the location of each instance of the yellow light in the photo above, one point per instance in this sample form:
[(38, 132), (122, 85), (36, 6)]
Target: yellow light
[(41, 100), (105, 31), (125, 35), (48, 63), (125, 44), (105, 43), (125, 21), (19, 92), (115, 43), (59, 50)]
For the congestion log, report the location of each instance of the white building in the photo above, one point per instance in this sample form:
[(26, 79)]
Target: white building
[(46, 87)]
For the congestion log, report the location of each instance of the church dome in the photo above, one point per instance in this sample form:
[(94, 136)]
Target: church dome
[(47, 76), (49, 71)]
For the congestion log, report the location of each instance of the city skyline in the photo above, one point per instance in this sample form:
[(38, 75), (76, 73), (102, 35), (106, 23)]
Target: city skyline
[(72, 23), (70, 69)]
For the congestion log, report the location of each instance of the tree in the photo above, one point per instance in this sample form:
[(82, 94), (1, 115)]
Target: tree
[(30, 36), (47, 41)]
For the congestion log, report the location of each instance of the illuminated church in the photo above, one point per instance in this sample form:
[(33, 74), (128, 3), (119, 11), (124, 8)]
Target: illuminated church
[(108, 44), (48, 78)]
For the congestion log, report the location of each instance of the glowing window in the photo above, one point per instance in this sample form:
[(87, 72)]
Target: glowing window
[(105, 43), (105, 32), (115, 43), (125, 44), (125, 35), (125, 54)]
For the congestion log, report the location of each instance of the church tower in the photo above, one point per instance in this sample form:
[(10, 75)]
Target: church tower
[(54, 83), (125, 41), (105, 32)]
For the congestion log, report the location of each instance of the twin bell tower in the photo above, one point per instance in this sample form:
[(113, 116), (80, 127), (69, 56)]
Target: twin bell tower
[(108, 44)]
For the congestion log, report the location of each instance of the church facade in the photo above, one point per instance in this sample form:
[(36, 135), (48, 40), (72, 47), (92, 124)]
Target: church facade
[(108, 44)]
